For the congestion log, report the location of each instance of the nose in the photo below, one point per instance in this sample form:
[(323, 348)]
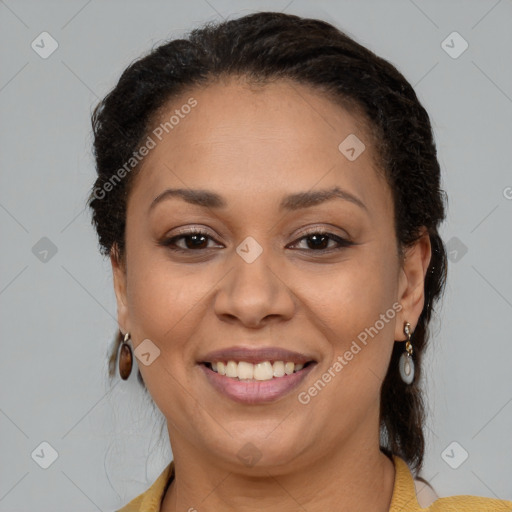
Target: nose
[(254, 291)]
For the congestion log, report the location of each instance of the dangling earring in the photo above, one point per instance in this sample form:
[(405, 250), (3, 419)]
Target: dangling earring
[(125, 358), (406, 364)]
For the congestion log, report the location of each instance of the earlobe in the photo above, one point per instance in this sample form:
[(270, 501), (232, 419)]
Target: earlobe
[(412, 283), (119, 279)]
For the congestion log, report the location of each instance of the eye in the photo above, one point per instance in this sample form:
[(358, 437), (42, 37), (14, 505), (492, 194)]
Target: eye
[(318, 241), (194, 239)]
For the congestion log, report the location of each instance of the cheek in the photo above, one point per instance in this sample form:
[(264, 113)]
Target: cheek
[(356, 311), (164, 306), (163, 300), (354, 294)]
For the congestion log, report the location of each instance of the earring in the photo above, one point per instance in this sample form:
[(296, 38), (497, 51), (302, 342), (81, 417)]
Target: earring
[(125, 358), (406, 363)]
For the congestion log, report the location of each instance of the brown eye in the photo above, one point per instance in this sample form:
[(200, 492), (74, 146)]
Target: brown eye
[(319, 241), (196, 240), (193, 240)]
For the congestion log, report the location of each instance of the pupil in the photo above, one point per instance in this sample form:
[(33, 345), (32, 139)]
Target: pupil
[(195, 238), (317, 238)]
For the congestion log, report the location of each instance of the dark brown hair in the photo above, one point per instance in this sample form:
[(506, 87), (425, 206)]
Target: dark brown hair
[(269, 46)]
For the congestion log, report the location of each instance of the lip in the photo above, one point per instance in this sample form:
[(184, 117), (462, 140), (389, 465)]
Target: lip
[(253, 391), (256, 355)]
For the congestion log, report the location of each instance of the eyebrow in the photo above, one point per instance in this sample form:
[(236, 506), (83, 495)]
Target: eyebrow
[(208, 199)]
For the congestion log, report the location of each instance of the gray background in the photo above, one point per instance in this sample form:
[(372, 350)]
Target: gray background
[(58, 310)]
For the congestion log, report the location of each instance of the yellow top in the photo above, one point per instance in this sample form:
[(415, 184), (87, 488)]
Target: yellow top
[(403, 498)]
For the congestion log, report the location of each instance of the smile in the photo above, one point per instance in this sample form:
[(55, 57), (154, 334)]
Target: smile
[(262, 371), (251, 375)]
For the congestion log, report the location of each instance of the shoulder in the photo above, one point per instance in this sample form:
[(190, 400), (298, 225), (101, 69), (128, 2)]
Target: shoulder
[(417, 495), (134, 505), (150, 500), (466, 503)]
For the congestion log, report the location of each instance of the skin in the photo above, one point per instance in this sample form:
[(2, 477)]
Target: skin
[(255, 145)]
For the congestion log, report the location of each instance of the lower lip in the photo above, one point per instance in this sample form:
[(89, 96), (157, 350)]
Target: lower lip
[(254, 391)]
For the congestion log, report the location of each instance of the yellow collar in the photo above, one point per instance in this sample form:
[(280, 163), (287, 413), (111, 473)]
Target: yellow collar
[(403, 497)]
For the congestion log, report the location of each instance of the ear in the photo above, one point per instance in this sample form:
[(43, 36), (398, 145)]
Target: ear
[(411, 293), (119, 277)]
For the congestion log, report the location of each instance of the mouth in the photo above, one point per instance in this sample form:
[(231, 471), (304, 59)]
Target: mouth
[(256, 376), (264, 370)]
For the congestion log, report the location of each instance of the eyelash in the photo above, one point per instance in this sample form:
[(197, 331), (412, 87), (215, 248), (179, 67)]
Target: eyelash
[(343, 242)]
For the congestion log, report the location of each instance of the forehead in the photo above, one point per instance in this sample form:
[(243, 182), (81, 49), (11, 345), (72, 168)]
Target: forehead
[(278, 137)]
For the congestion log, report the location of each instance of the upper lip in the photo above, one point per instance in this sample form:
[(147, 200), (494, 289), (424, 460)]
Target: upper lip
[(255, 355)]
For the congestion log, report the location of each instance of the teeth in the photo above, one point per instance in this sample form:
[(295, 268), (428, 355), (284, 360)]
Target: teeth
[(245, 370), (263, 371), (278, 368), (260, 371), (231, 369)]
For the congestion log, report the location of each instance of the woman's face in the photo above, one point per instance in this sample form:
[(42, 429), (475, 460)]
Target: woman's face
[(258, 281)]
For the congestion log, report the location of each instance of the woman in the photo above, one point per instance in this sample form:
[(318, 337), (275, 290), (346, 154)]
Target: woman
[(269, 195)]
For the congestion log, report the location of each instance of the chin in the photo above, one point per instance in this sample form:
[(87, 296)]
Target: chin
[(263, 454)]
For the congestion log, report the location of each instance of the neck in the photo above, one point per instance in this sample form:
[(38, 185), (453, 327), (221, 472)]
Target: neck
[(352, 479)]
